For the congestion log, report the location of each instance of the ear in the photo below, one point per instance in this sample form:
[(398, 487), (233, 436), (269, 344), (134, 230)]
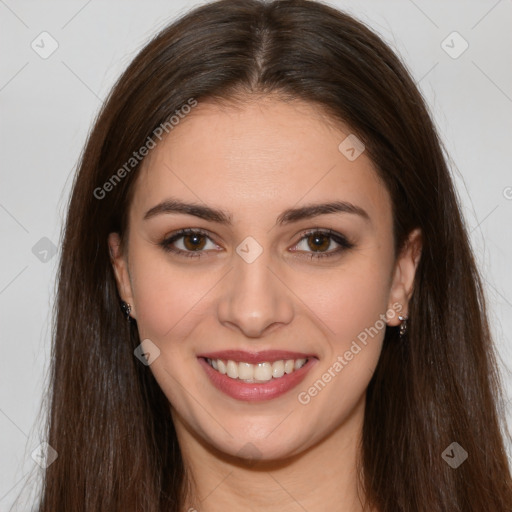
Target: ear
[(403, 276), (120, 266)]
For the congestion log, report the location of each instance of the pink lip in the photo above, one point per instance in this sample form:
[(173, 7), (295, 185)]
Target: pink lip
[(252, 392), (263, 356)]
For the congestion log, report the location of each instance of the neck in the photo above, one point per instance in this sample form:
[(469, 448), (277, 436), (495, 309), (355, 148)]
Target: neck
[(323, 477)]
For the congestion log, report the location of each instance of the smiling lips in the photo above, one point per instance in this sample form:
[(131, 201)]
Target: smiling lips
[(254, 376)]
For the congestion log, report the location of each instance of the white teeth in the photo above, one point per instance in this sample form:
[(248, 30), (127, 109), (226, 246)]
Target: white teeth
[(299, 363), (232, 370), (245, 371), (277, 369), (263, 371), (260, 372), (221, 366)]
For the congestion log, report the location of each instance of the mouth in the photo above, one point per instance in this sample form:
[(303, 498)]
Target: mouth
[(259, 372), (251, 376)]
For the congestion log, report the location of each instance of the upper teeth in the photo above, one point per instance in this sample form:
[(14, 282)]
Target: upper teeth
[(260, 372)]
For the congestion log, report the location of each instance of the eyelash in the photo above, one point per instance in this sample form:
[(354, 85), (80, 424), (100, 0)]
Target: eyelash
[(337, 237)]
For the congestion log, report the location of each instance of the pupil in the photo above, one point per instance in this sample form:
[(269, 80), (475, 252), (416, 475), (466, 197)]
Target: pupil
[(196, 241), (317, 241)]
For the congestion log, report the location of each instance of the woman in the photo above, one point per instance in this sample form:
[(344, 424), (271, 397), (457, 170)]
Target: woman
[(302, 324)]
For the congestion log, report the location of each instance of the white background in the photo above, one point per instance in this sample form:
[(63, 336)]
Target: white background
[(48, 106)]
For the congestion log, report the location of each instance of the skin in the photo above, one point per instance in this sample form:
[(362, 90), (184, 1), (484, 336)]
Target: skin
[(254, 161)]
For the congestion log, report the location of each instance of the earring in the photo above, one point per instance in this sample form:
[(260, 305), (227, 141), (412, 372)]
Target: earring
[(403, 325), (126, 309)]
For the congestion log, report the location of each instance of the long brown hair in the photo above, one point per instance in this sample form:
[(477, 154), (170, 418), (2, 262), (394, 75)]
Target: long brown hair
[(109, 421)]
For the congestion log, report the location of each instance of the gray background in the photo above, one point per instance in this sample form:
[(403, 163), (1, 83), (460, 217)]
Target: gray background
[(48, 106)]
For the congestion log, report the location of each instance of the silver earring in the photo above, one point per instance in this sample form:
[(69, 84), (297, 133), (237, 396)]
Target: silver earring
[(403, 325), (126, 309)]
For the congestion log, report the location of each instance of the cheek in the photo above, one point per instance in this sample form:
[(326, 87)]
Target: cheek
[(169, 296), (353, 310), (352, 307), (165, 296), (348, 300)]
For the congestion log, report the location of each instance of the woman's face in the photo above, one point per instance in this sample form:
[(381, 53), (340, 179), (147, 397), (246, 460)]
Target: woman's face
[(260, 285)]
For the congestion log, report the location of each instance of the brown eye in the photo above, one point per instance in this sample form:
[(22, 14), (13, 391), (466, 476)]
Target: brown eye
[(194, 242), (317, 243), (190, 242)]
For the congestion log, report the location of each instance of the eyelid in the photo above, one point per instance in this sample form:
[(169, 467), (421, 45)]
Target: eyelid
[(337, 237), (343, 242), (166, 243)]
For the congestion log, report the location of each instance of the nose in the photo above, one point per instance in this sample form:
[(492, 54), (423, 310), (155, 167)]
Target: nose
[(254, 297)]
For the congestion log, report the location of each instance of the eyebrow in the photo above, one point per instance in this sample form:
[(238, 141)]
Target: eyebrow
[(174, 206)]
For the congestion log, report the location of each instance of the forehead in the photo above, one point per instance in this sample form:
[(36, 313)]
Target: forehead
[(257, 157)]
